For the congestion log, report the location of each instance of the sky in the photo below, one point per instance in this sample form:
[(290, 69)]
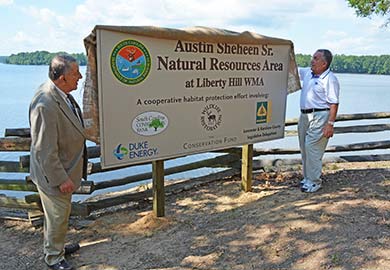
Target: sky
[(35, 25)]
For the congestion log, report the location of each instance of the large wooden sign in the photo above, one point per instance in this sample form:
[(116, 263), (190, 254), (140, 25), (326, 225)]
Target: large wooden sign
[(162, 98)]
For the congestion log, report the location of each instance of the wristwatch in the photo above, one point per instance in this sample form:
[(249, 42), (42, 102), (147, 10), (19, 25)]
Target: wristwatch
[(331, 123)]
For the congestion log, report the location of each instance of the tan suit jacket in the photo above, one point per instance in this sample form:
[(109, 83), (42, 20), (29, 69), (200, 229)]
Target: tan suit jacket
[(58, 141)]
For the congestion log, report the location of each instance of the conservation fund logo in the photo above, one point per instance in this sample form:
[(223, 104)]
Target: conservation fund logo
[(130, 62), (211, 117)]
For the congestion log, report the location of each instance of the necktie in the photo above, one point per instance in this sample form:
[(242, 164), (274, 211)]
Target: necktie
[(76, 110)]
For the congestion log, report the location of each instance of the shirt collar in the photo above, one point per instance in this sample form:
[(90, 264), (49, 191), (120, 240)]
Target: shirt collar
[(322, 75), (62, 94)]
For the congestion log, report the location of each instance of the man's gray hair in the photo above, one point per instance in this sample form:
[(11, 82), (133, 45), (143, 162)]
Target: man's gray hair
[(327, 55), (60, 65)]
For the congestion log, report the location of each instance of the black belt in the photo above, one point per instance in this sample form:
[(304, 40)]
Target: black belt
[(314, 110)]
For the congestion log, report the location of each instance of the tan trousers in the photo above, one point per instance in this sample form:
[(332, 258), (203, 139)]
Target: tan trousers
[(312, 143), (57, 211)]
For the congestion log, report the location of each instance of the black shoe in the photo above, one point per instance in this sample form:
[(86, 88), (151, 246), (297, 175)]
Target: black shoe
[(62, 265), (71, 248)]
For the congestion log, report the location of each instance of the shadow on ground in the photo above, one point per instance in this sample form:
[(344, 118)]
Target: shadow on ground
[(346, 225)]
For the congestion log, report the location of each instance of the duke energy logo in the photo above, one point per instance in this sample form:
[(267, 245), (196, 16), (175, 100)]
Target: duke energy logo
[(135, 150), (130, 62), (120, 151)]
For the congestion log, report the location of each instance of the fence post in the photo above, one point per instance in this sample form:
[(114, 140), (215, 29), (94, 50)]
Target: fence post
[(158, 188), (247, 167)]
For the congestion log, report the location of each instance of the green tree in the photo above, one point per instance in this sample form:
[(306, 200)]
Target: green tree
[(156, 123), (367, 8), (366, 64), (303, 60), (40, 58)]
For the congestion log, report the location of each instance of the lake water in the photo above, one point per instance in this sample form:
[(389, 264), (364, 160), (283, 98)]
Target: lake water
[(359, 94)]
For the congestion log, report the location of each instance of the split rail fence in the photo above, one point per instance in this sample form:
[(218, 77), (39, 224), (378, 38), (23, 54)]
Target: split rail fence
[(235, 160)]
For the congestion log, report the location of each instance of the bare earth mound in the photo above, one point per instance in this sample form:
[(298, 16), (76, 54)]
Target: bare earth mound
[(345, 225)]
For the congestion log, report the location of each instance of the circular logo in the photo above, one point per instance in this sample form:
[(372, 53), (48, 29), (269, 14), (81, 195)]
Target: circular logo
[(130, 62), (211, 117), (150, 123)]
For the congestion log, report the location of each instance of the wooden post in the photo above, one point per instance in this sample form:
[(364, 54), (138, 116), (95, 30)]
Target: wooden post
[(36, 217), (246, 167), (158, 188)]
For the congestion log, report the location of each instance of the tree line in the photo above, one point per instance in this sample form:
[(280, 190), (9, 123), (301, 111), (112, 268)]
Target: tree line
[(40, 58), (366, 64)]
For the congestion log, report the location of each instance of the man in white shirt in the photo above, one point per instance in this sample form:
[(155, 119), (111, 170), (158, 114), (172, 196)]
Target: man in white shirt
[(319, 105)]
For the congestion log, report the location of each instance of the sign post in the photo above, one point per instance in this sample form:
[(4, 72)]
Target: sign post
[(247, 167), (158, 188)]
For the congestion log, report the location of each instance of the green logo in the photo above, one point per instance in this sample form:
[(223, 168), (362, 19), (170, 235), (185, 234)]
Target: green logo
[(263, 111), (130, 62)]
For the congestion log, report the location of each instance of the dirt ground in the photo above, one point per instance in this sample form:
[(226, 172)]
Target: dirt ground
[(345, 225)]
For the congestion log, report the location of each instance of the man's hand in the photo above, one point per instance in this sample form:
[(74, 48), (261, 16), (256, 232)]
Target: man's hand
[(328, 130), (67, 187)]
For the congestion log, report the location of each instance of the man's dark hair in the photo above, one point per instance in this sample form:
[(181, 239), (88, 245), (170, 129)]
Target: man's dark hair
[(60, 65), (327, 55)]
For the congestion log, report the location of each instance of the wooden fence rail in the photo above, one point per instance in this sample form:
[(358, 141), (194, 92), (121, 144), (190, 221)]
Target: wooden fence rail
[(19, 140)]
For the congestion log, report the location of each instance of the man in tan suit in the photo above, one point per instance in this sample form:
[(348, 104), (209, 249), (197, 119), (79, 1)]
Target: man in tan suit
[(58, 154)]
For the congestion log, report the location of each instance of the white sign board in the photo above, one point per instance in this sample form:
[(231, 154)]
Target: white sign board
[(163, 98)]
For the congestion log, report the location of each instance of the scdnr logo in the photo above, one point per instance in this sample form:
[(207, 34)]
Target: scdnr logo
[(130, 62)]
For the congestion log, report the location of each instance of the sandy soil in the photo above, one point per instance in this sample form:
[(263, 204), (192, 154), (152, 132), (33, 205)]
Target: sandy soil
[(345, 225)]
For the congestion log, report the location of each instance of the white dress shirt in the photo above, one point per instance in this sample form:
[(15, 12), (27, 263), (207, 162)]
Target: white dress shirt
[(318, 91)]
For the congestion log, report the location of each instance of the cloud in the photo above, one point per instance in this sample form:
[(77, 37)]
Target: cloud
[(308, 24), (365, 37), (45, 16), (334, 34), (21, 37), (355, 45), (174, 13), (6, 2), (232, 15), (49, 31)]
